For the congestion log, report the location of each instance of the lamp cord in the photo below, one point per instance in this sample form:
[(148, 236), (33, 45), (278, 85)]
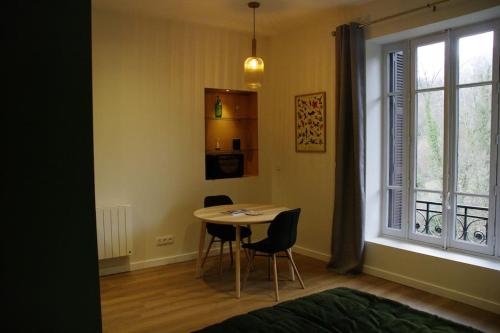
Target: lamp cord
[(254, 22)]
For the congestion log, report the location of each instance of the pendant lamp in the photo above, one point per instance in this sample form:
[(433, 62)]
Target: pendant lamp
[(253, 66)]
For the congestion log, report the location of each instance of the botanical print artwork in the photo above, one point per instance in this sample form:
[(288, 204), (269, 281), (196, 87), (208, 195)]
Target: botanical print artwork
[(310, 122)]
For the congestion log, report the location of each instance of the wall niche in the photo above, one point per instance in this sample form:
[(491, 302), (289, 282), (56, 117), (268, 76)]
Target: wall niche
[(231, 133)]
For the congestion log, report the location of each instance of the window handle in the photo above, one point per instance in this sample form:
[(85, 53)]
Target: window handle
[(448, 205)]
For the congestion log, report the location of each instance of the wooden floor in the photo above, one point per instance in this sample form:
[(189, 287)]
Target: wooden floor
[(170, 299)]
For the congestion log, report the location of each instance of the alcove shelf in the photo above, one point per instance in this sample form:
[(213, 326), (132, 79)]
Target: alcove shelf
[(239, 120)]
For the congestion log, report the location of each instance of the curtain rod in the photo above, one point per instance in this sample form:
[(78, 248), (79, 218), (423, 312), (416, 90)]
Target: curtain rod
[(431, 5)]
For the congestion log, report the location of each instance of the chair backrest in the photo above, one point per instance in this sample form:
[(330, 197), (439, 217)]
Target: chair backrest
[(282, 231), (217, 200)]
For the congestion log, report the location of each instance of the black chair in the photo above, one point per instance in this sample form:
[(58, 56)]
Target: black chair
[(282, 234), (222, 233)]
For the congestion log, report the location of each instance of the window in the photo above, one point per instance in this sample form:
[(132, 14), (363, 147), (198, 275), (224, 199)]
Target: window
[(441, 118)]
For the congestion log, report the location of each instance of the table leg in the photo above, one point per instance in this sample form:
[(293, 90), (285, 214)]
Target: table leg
[(238, 248), (201, 246)]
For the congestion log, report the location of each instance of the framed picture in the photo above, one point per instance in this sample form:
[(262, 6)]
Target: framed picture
[(310, 122)]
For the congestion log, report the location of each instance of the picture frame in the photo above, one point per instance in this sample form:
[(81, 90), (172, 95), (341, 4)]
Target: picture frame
[(310, 123)]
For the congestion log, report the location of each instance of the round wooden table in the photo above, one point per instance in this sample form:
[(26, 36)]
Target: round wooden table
[(220, 215)]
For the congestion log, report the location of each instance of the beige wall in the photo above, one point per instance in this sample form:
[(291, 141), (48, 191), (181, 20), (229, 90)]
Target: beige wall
[(302, 61), (148, 80), (149, 77)]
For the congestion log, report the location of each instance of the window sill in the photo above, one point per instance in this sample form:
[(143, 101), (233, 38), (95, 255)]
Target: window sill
[(492, 263)]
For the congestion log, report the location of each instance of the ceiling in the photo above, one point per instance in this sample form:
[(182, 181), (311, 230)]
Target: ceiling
[(272, 17)]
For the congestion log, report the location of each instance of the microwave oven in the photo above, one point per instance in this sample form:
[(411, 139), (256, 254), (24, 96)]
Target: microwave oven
[(224, 165)]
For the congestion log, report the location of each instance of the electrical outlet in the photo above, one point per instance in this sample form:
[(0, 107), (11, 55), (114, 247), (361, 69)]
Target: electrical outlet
[(159, 241), (164, 240), (169, 239)]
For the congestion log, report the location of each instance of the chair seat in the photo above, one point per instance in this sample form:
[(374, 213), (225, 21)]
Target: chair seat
[(227, 232), (264, 245)]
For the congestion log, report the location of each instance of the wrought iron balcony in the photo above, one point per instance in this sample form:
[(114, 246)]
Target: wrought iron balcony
[(470, 226)]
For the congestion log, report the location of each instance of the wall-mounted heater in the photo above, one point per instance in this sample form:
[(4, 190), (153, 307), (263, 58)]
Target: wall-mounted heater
[(114, 231)]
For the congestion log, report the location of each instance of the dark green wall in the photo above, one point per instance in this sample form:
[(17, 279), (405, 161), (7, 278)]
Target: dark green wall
[(50, 274)]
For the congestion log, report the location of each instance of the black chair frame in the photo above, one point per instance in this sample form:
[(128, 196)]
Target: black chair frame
[(289, 219), (218, 200)]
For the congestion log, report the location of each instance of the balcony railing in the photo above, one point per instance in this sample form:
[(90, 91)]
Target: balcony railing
[(470, 226)]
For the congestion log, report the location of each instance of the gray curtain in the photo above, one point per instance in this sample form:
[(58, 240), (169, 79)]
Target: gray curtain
[(349, 210)]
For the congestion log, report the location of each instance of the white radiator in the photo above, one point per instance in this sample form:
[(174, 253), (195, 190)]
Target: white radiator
[(114, 231)]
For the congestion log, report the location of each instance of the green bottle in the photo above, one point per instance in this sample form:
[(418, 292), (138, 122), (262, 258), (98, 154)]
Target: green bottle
[(218, 108)]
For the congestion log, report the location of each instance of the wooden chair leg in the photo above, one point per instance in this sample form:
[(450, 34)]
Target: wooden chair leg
[(220, 256), (249, 261), (289, 255), (275, 268), (208, 251), (290, 268), (249, 267), (231, 252), (269, 268)]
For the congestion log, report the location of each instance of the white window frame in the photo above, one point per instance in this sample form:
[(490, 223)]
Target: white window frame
[(414, 44), (455, 35), (451, 87)]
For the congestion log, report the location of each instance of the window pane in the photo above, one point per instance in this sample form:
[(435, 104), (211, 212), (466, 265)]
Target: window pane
[(395, 206), (396, 140), (430, 66), (429, 154), (428, 214), (471, 223), (475, 58), (396, 71), (474, 139)]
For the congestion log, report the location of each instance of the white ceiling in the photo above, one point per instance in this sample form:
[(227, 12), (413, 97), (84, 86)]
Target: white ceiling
[(272, 17)]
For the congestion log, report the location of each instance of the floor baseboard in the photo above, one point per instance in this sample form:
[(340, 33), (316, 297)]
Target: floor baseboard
[(141, 264), (433, 289), (312, 253)]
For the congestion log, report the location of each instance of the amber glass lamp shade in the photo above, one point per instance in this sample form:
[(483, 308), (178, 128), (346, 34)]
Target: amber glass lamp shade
[(254, 70)]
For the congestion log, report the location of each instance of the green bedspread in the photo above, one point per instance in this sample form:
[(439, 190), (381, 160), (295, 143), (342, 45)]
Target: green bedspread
[(338, 310)]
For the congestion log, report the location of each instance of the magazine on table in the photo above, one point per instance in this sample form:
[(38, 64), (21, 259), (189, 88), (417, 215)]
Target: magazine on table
[(242, 211)]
